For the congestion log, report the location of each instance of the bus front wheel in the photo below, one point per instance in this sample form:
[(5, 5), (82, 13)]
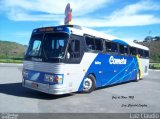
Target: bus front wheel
[(89, 84)]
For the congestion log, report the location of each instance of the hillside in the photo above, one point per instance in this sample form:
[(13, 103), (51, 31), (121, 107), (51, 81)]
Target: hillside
[(154, 46), (11, 50)]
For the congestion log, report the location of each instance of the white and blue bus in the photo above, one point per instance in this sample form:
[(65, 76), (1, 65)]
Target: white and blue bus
[(70, 58)]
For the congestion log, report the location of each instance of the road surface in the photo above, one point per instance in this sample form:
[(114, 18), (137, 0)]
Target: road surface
[(142, 96)]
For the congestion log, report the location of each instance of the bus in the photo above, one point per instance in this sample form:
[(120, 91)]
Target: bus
[(70, 58)]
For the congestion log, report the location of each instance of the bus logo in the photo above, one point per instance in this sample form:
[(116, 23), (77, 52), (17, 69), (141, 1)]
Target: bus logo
[(113, 60)]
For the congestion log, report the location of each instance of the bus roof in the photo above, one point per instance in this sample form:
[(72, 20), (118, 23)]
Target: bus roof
[(131, 43), (110, 37), (78, 30), (98, 34)]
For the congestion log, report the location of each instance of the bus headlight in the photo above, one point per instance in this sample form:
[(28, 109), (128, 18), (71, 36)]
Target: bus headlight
[(49, 78), (56, 78)]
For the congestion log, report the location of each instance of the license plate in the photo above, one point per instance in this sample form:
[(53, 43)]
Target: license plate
[(34, 85)]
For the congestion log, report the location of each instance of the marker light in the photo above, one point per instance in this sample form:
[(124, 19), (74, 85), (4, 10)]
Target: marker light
[(25, 74), (58, 79)]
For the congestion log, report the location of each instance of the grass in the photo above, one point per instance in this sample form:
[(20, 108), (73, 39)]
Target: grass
[(153, 61), (154, 66), (10, 61)]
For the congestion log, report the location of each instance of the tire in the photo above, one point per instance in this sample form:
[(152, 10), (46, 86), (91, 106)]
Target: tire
[(138, 76), (89, 84)]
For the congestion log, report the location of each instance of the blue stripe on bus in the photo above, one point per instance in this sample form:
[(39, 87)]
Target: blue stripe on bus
[(108, 76), (120, 41)]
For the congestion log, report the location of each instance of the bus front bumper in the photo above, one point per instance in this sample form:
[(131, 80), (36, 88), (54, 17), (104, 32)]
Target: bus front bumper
[(46, 88)]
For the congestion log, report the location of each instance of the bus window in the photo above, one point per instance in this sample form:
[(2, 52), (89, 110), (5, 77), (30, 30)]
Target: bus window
[(141, 53), (108, 46), (126, 50), (123, 49), (74, 49), (36, 48), (54, 45), (135, 51), (114, 48), (146, 54), (132, 51), (77, 46), (138, 52), (99, 44), (90, 43)]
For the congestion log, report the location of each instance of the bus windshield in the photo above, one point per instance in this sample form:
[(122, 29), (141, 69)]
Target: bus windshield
[(49, 45)]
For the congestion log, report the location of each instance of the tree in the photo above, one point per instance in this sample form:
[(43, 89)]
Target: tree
[(135, 41), (157, 38), (148, 38)]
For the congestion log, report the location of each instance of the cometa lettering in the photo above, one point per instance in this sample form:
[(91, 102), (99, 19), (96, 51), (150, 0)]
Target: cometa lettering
[(113, 60)]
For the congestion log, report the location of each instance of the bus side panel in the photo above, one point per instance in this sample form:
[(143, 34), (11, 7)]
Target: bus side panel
[(107, 72)]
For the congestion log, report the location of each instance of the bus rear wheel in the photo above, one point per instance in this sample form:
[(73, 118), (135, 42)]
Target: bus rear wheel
[(89, 84)]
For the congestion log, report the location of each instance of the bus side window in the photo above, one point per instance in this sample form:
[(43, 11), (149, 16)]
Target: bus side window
[(90, 43), (133, 51), (146, 54), (98, 44), (74, 49), (126, 52), (123, 49), (108, 46), (114, 48), (140, 52)]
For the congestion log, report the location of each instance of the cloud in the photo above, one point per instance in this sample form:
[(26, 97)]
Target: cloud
[(143, 5), (128, 20), (48, 10), (56, 7), (135, 14), (131, 15)]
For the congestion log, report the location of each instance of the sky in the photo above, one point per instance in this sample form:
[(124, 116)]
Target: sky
[(126, 19)]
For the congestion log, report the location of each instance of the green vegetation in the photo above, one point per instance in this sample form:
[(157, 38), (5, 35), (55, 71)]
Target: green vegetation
[(154, 46), (11, 52), (10, 61), (154, 66), (153, 43)]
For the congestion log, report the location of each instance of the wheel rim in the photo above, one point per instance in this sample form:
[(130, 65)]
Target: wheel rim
[(87, 84)]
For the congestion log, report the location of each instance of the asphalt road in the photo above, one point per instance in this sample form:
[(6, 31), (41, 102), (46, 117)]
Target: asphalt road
[(142, 96)]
